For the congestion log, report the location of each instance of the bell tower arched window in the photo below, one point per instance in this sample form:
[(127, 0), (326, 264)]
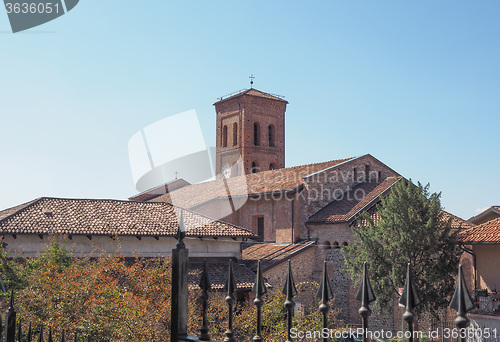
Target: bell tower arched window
[(270, 130), (235, 134), (224, 136), (256, 134)]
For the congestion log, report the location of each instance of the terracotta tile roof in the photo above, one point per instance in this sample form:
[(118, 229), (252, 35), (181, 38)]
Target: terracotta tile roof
[(456, 222), (353, 201), (251, 92), (279, 180), (486, 233), (217, 274), (47, 215), (272, 254)]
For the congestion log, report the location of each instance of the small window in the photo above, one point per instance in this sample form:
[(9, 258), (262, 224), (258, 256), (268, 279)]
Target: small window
[(256, 134), (271, 135), (224, 136), (235, 134), (260, 228), (271, 166)]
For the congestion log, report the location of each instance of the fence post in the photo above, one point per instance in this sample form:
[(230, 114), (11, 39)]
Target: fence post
[(40, 337), (10, 321), (259, 288), (365, 296), (461, 303), (179, 314), (325, 293), (30, 333), (409, 299), (230, 288), (290, 291)]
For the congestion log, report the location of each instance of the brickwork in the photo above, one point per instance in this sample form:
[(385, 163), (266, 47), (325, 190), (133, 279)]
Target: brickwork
[(246, 110), (302, 265)]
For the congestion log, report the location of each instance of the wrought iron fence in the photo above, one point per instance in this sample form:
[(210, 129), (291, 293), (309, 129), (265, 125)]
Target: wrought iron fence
[(461, 302)]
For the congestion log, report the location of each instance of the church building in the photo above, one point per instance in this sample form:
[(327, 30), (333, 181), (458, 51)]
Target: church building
[(301, 213)]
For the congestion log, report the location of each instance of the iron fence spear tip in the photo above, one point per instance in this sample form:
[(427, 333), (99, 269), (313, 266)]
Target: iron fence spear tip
[(324, 291), (30, 332), (40, 337), (461, 301), (290, 290), (259, 287), (230, 286), (205, 280), (409, 298), (365, 293), (50, 335)]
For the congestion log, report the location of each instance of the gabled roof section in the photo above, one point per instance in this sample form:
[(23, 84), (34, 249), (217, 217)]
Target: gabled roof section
[(457, 222), (251, 92), (48, 215), (271, 254), (363, 196), (484, 234), (488, 214), (159, 190), (265, 182)]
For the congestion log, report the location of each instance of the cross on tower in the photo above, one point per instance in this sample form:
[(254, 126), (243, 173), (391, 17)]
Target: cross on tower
[(251, 77)]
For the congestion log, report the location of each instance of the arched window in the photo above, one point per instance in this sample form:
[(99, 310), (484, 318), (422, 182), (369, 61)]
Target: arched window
[(235, 134), (256, 134), (271, 166), (270, 130), (224, 136), (255, 168)]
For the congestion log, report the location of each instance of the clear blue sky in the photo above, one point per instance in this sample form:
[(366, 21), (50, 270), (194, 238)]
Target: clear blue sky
[(414, 83)]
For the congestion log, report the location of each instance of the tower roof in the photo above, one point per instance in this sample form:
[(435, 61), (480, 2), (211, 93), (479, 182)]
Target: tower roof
[(251, 92)]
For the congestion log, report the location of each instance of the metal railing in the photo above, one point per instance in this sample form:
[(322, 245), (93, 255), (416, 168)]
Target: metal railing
[(461, 303)]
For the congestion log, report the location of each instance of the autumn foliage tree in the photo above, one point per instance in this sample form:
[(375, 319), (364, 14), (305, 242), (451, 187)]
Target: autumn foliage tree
[(114, 299)]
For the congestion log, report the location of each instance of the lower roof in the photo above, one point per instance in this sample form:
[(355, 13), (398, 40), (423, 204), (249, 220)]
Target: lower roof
[(47, 215), (486, 233)]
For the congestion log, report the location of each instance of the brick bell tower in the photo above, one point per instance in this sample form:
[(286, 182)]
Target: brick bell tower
[(250, 123)]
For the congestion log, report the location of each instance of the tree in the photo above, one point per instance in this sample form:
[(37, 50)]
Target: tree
[(409, 228)]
